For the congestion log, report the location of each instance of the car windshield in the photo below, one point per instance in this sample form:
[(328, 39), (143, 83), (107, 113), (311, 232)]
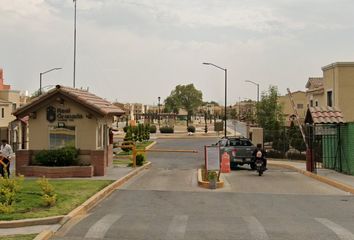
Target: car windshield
[(235, 142)]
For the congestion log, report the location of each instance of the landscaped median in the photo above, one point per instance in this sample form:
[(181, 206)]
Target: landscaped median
[(203, 182)]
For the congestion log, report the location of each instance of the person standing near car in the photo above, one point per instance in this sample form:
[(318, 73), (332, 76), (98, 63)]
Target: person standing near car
[(6, 152), (260, 153)]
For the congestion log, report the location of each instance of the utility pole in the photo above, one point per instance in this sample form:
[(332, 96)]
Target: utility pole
[(74, 71)]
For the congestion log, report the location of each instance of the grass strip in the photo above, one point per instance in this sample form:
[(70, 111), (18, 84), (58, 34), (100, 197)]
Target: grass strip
[(19, 237), (70, 194)]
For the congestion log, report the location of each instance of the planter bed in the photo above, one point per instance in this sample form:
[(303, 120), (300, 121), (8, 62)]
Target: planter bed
[(57, 172)]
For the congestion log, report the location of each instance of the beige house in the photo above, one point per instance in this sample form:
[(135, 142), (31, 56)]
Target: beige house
[(300, 101), (334, 89), (66, 116)]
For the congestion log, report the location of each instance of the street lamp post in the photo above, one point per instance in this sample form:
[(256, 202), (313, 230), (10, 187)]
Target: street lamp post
[(74, 71), (225, 70), (159, 98), (257, 84), (40, 78)]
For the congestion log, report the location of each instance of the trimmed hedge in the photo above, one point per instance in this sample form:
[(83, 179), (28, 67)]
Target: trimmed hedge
[(153, 129), (274, 154), (66, 156), (166, 129), (191, 129)]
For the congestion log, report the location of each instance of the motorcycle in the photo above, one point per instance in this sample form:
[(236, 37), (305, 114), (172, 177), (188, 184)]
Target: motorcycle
[(259, 166)]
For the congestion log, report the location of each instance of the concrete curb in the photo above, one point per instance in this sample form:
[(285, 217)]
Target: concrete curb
[(44, 235), (151, 145), (31, 222), (205, 184), (329, 181), (82, 209)]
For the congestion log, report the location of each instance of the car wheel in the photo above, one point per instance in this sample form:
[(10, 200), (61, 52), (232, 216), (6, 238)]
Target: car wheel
[(233, 166)]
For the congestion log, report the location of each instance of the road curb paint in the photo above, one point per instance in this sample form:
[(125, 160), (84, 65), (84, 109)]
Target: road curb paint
[(331, 182), (205, 184), (44, 235)]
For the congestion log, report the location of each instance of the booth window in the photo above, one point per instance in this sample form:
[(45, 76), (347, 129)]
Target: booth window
[(99, 136), (61, 137)]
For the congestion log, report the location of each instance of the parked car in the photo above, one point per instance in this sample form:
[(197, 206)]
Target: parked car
[(240, 150)]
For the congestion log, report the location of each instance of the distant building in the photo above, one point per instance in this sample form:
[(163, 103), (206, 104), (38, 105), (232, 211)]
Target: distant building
[(2, 85), (334, 89), (9, 101)]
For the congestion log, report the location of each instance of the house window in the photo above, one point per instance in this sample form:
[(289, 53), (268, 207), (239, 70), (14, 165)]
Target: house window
[(61, 137), (311, 103), (316, 103), (300, 106), (329, 99), (2, 112)]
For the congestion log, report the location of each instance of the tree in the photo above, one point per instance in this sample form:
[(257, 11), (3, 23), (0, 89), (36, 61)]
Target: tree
[(269, 112), (295, 138), (186, 97)]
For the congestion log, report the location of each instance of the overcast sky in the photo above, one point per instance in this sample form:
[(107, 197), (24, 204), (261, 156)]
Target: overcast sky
[(137, 50)]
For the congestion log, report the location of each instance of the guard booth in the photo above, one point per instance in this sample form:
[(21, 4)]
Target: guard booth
[(67, 116), (323, 135)]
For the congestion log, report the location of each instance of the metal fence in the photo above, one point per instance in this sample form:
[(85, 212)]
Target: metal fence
[(286, 142), (332, 145)]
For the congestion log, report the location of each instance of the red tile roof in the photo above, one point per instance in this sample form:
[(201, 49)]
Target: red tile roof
[(85, 98), (323, 115), (314, 82)]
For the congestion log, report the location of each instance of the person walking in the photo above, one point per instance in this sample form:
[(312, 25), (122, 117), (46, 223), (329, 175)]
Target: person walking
[(6, 153)]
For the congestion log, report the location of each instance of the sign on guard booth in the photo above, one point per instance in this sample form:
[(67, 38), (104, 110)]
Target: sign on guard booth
[(225, 163)]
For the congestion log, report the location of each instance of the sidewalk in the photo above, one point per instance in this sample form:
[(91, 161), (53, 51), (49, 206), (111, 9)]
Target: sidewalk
[(329, 174)]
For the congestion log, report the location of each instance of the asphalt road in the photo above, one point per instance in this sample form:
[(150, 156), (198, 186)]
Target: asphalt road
[(166, 203)]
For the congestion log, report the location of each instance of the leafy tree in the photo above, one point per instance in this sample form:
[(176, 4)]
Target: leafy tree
[(233, 113), (280, 140), (269, 112), (186, 97), (295, 138)]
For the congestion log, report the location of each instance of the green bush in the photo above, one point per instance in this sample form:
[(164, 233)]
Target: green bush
[(274, 154), (191, 129), (152, 128), (212, 175), (48, 194), (140, 159), (147, 132), (125, 128), (66, 156), (166, 129), (9, 187)]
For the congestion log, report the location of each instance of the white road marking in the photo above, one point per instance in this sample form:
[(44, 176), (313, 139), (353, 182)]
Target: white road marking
[(99, 229), (340, 231), (177, 227), (256, 228)]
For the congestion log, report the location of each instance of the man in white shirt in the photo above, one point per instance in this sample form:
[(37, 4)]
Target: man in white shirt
[(6, 153)]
